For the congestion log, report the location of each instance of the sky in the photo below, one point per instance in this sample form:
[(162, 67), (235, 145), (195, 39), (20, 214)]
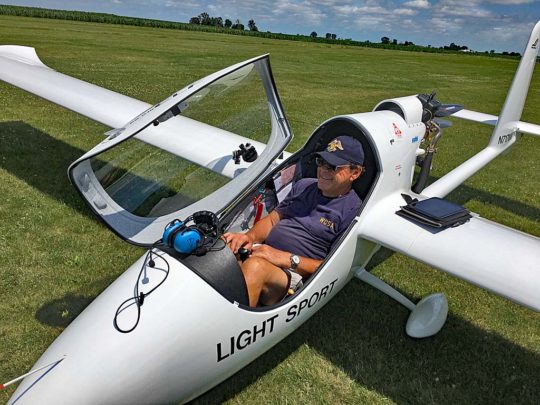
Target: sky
[(482, 25)]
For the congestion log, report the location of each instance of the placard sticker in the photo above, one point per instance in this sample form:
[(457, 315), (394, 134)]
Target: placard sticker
[(284, 177), (397, 131)]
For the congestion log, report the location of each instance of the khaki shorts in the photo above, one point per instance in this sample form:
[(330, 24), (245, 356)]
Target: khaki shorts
[(295, 281)]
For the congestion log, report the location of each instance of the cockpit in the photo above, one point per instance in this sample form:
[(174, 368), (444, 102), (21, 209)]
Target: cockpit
[(182, 156), (220, 269)]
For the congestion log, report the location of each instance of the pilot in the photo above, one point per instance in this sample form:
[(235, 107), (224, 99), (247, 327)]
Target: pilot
[(290, 243)]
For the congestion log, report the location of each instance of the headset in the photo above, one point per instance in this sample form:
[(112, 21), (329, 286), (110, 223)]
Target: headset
[(194, 238)]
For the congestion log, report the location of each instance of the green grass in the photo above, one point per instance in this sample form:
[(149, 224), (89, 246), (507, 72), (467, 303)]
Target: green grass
[(56, 257)]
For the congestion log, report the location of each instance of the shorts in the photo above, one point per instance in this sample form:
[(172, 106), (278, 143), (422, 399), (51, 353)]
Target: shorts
[(295, 281)]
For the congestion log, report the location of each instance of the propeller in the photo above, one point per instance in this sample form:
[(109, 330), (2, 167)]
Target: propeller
[(447, 109), (433, 108), (442, 123)]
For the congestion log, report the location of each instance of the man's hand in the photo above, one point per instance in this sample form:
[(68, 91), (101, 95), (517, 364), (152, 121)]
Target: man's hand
[(257, 234), (237, 240), (277, 257)]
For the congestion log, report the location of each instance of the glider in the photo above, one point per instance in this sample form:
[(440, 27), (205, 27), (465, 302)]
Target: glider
[(175, 324)]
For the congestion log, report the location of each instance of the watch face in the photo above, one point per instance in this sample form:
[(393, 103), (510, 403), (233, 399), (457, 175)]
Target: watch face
[(295, 261)]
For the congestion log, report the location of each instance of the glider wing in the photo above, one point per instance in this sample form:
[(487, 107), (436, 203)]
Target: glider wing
[(21, 67), (480, 251)]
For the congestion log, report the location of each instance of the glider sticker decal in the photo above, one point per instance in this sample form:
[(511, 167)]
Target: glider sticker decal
[(246, 337), (504, 139)]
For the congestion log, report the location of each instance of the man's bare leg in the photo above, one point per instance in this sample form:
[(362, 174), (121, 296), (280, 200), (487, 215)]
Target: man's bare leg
[(266, 283)]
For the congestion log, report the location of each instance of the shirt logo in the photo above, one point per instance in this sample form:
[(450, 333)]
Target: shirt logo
[(334, 145), (326, 222)]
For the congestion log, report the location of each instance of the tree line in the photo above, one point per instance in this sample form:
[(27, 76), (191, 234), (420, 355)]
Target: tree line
[(206, 19), (452, 47)]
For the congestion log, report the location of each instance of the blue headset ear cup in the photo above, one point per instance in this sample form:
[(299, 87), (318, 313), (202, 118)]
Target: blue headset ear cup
[(187, 241), (170, 232)]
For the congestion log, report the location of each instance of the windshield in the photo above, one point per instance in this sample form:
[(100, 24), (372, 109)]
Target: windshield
[(236, 103), (150, 181)]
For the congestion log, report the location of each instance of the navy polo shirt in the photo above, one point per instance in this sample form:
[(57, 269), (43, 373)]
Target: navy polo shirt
[(311, 222)]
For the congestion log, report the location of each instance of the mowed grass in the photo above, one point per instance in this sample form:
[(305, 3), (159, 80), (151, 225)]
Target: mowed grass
[(56, 257)]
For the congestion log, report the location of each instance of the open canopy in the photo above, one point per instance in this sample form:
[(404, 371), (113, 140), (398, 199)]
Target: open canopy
[(176, 157)]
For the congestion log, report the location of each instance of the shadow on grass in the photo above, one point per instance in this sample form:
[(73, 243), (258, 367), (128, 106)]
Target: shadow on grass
[(362, 333), (463, 194), (41, 161), (62, 311)]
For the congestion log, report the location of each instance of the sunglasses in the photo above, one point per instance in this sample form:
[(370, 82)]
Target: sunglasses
[(320, 162)]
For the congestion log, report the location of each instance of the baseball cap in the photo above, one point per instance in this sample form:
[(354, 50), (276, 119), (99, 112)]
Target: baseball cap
[(343, 150)]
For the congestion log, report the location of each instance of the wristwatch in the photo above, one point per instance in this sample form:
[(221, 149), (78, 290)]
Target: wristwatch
[(295, 261)]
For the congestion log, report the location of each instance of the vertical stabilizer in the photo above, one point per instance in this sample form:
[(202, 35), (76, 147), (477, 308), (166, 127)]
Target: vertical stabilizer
[(504, 134), (507, 126)]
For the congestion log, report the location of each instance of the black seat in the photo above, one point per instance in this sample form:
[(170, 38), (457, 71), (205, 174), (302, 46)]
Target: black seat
[(320, 139)]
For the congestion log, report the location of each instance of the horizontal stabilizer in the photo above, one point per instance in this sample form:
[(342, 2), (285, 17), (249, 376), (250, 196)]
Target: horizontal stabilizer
[(488, 119), (480, 251)]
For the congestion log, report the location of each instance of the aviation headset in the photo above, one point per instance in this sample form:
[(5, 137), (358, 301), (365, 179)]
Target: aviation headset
[(194, 238), (198, 238)]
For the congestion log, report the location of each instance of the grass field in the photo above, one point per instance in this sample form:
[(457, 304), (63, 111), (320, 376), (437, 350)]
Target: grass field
[(56, 257)]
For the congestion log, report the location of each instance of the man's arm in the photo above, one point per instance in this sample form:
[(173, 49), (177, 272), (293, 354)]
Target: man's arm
[(260, 231), (256, 234), (282, 259)]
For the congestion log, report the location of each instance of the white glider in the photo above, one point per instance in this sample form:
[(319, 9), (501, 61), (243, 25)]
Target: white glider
[(192, 327)]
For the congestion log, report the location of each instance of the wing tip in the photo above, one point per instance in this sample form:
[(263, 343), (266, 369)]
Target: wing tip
[(19, 53)]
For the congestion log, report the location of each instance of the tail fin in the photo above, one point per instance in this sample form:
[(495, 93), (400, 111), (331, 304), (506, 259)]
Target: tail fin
[(507, 126), (504, 134)]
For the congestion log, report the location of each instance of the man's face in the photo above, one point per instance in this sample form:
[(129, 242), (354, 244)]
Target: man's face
[(334, 183)]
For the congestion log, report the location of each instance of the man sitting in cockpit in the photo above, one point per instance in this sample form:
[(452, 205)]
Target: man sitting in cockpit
[(290, 243)]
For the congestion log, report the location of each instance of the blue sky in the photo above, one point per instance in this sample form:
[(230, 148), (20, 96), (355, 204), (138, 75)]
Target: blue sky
[(502, 25)]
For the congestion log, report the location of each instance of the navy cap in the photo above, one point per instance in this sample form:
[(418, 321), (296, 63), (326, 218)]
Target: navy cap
[(343, 150)]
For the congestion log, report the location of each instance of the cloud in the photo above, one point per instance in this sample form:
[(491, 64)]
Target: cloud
[(444, 25), (465, 8), (510, 2), (472, 12), (404, 11), (374, 16), (372, 11), (328, 3), (502, 34), (418, 4), (185, 4), (348, 10), (306, 10)]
